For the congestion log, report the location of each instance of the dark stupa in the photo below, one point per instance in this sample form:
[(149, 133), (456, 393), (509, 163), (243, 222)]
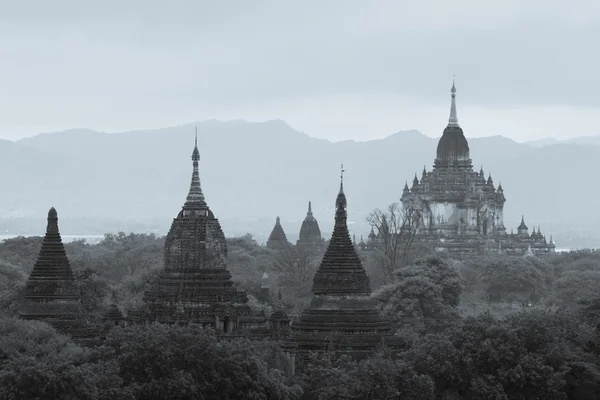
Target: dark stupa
[(195, 285), (453, 148), (310, 234), (51, 294), (341, 316), (277, 238)]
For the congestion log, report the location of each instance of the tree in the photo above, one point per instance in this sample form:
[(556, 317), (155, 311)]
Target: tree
[(158, 362), (38, 363), (525, 356), (370, 379), (295, 268), (514, 279), (396, 228), (424, 292)]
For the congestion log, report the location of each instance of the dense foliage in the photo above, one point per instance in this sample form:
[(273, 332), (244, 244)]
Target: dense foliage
[(155, 362), (489, 328)]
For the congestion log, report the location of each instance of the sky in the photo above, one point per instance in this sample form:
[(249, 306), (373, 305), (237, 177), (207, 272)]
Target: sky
[(335, 69)]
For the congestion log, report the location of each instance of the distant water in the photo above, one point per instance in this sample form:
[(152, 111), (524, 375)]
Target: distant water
[(91, 239), (95, 239)]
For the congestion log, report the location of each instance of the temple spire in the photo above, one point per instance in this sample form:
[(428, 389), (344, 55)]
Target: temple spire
[(309, 213), (342, 179), (195, 198), (340, 201), (453, 120)]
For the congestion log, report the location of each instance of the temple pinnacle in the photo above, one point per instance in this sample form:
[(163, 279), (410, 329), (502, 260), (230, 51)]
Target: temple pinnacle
[(341, 197), (195, 198), (453, 120)]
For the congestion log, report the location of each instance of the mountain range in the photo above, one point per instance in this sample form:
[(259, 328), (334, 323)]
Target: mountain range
[(252, 172)]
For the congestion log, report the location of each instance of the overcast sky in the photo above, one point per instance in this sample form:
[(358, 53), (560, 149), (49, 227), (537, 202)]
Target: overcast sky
[(333, 69)]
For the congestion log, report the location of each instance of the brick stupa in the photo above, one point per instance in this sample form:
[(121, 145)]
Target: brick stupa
[(195, 285), (51, 294), (341, 317), (278, 239)]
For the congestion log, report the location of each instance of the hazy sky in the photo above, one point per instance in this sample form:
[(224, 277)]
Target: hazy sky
[(334, 69)]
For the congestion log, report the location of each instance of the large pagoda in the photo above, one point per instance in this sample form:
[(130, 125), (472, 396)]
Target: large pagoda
[(195, 285), (461, 211), (341, 317)]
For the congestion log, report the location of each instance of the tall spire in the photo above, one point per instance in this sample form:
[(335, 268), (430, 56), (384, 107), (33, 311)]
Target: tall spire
[(341, 272), (340, 201), (453, 121), (309, 213), (195, 198), (342, 179)]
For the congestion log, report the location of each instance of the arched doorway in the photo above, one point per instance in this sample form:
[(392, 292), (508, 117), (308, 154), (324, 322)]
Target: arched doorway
[(227, 325), (485, 226)]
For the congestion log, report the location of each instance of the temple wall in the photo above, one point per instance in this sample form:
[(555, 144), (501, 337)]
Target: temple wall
[(448, 211)]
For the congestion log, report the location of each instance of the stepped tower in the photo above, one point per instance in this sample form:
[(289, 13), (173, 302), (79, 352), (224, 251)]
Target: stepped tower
[(277, 238), (310, 234), (195, 285), (341, 316), (51, 294), (456, 209)]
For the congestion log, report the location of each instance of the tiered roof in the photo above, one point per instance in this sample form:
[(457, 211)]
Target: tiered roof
[(310, 233), (51, 293), (277, 238), (341, 316), (195, 274)]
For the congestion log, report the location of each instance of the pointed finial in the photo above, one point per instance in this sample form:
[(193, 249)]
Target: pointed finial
[(340, 201), (309, 207), (415, 180), (195, 199), (52, 226), (277, 221), (196, 137), (453, 120)]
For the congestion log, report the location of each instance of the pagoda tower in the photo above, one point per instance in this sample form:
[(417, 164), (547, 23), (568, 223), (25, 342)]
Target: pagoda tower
[(277, 238), (453, 199), (341, 316), (51, 294), (310, 234), (195, 285), (456, 209)]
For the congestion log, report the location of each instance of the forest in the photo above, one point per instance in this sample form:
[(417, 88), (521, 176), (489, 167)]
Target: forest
[(494, 327)]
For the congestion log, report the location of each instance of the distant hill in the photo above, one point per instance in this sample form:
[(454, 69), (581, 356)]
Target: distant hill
[(253, 172)]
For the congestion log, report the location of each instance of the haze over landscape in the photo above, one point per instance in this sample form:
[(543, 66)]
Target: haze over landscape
[(331, 93), (137, 181)]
